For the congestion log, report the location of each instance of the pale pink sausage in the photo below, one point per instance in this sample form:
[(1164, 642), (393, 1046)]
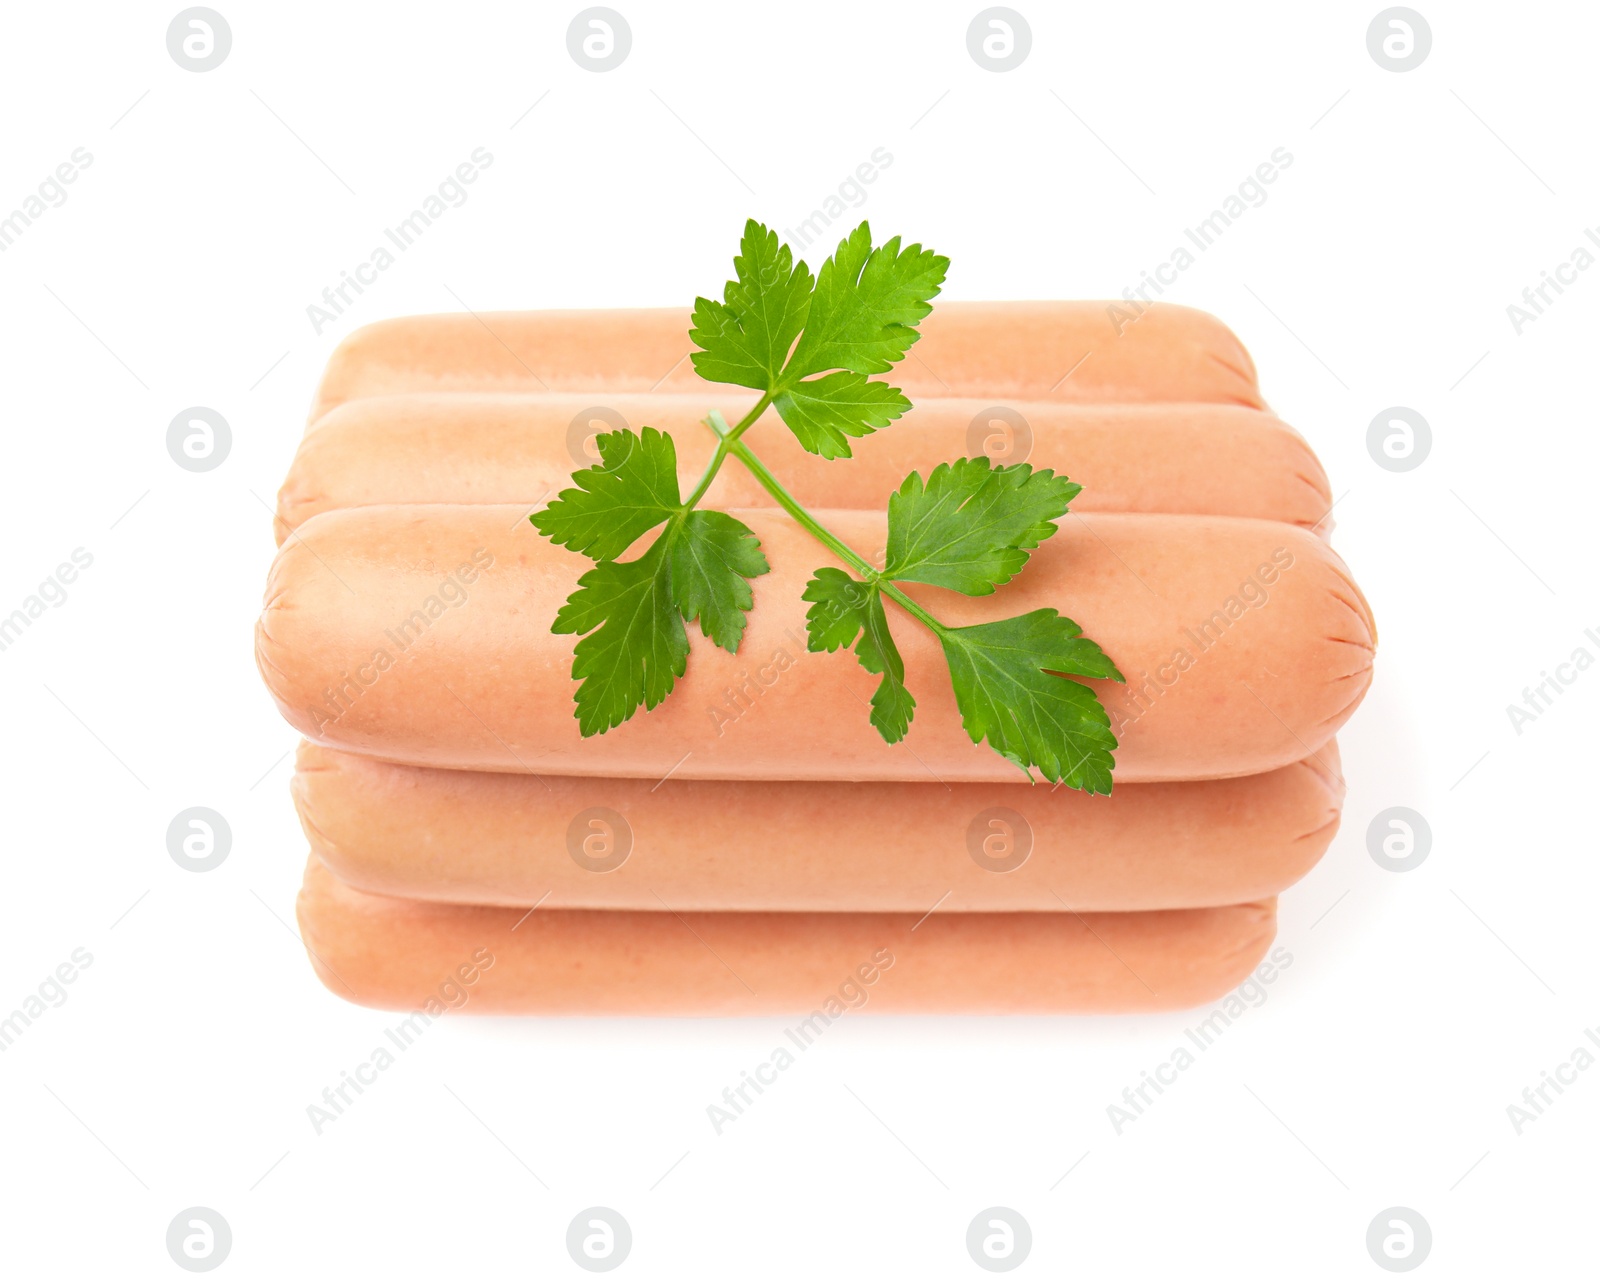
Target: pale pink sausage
[(814, 966), (422, 635), (1204, 459), (453, 835), (1080, 352)]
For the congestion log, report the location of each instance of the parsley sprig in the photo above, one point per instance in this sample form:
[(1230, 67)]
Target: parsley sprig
[(809, 344)]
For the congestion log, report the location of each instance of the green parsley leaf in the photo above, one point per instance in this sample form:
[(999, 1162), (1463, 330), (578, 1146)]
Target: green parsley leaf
[(970, 528), (866, 306), (823, 411), (1005, 686), (838, 604), (892, 703), (858, 316), (632, 489), (698, 568), (711, 559), (745, 338), (640, 648), (846, 611)]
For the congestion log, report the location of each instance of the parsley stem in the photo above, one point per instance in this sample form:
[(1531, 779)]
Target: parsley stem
[(786, 500), (726, 436)]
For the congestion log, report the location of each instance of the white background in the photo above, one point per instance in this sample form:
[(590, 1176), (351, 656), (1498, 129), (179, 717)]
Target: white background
[(178, 272)]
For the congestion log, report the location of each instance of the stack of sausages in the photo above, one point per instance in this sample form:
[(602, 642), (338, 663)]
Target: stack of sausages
[(751, 845)]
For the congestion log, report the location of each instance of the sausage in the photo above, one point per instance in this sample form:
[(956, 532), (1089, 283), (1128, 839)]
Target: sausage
[(1080, 352), (392, 953), (1206, 459), (452, 835), (422, 635)]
